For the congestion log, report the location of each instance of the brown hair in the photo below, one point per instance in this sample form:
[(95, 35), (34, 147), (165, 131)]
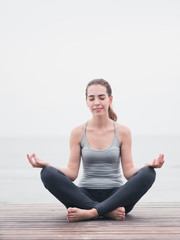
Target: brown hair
[(111, 113)]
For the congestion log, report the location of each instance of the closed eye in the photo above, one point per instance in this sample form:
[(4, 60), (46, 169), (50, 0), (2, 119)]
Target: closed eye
[(92, 99)]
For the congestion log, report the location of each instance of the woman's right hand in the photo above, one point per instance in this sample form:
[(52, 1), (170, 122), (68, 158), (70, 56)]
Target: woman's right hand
[(36, 162)]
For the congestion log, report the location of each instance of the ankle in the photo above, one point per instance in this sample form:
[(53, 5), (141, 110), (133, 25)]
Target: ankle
[(94, 212)]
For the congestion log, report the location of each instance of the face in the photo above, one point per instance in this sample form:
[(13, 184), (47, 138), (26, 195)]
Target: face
[(98, 100)]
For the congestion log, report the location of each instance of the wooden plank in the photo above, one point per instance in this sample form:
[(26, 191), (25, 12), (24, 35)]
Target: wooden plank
[(146, 221)]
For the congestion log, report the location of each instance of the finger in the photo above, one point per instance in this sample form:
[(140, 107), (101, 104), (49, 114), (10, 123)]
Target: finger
[(161, 160), (158, 163), (154, 162), (37, 160), (35, 157), (29, 158), (161, 156), (32, 155), (31, 161)]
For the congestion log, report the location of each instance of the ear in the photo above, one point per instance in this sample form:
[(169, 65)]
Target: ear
[(110, 100)]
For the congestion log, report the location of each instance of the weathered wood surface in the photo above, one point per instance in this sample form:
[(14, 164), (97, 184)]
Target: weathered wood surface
[(146, 221)]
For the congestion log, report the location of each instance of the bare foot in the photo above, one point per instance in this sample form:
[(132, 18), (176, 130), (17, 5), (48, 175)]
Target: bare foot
[(117, 214), (77, 214)]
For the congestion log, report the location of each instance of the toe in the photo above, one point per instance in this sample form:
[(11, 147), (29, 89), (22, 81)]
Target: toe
[(70, 210)]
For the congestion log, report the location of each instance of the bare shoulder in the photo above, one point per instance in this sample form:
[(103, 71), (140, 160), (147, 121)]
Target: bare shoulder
[(77, 133), (123, 132)]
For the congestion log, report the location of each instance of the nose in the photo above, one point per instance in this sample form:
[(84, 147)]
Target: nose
[(96, 102)]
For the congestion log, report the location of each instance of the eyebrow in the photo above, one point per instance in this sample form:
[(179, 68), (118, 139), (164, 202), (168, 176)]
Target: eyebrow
[(100, 95)]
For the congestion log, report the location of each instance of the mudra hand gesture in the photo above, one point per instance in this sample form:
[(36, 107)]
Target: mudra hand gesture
[(157, 163), (36, 162)]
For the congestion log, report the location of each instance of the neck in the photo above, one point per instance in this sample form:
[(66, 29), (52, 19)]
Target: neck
[(100, 121)]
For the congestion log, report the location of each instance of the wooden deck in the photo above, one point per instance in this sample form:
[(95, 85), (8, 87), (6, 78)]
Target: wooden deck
[(146, 221)]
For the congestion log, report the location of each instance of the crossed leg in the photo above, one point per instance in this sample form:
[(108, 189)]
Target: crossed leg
[(127, 196), (82, 207), (79, 203)]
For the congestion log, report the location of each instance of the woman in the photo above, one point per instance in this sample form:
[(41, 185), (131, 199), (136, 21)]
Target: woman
[(102, 143)]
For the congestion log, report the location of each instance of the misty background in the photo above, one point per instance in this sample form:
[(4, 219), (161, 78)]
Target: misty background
[(50, 50)]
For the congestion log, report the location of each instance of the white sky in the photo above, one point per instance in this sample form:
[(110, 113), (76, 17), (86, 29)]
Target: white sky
[(50, 50)]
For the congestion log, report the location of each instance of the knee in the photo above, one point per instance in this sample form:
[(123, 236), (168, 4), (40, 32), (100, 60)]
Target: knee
[(50, 175), (46, 174), (149, 175)]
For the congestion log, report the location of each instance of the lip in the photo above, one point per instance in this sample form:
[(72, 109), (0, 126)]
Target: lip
[(97, 109)]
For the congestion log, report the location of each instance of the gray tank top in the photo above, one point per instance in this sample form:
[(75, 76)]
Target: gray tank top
[(101, 168)]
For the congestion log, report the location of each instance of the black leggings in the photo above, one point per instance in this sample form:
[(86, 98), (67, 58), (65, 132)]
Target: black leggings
[(103, 200)]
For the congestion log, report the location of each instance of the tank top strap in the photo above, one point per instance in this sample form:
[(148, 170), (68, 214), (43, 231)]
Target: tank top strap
[(85, 128), (115, 129)]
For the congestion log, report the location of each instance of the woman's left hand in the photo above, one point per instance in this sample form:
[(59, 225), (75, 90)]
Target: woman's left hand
[(157, 163)]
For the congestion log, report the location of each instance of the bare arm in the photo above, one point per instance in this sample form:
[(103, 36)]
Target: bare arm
[(72, 169), (126, 155)]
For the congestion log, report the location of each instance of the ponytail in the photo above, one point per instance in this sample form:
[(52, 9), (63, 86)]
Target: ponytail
[(112, 114)]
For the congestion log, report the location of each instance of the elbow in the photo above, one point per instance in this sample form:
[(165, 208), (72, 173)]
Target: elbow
[(128, 174), (73, 178), (72, 174), (127, 177)]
